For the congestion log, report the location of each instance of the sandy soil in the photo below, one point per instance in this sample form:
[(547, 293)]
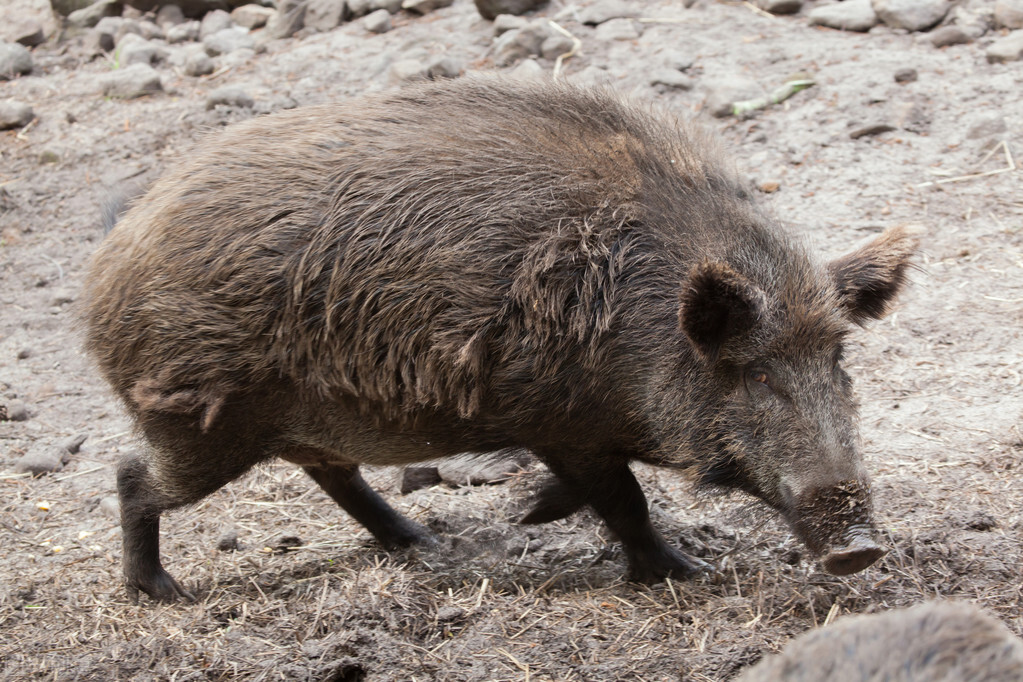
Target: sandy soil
[(939, 383)]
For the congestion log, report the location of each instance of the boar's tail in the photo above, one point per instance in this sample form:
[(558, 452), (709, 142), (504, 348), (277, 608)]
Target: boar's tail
[(153, 396)]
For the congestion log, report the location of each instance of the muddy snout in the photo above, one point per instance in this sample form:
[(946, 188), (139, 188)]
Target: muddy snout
[(836, 524)]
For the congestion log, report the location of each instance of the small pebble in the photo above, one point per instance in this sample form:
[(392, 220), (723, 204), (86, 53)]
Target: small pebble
[(906, 75), (770, 186), (228, 542), (24, 353), (16, 411), (231, 96), (872, 129), (110, 506), (378, 21), (446, 614)]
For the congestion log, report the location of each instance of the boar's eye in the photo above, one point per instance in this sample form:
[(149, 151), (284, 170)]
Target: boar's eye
[(758, 375), (758, 380)]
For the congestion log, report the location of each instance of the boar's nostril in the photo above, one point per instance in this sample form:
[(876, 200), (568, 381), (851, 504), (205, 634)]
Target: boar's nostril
[(852, 559)]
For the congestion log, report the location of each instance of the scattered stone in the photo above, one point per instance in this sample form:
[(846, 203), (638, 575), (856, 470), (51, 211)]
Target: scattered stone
[(228, 542), (124, 27), (110, 507), (943, 36), (1007, 49), (912, 15), (912, 116), (359, 8), (62, 297), (228, 40), (48, 156), (446, 614), (678, 60), (134, 49), (605, 10), (324, 15), (14, 411), (25, 353), (288, 19), (14, 114), (136, 80), (556, 45), (769, 186), (870, 130), (618, 29), (780, 6), (286, 543), (513, 46), (25, 32), (183, 33), (406, 70), (491, 9), (425, 6), (726, 91), (169, 15), (506, 22), (214, 22), (987, 127), (229, 95), (982, 521), (851, 15), (88, 17), (74, 443), (151, 31), (14, 60), (528, 68), (233, 60), (417, 477), (593, 76), (670, 78), (444, 67), (378, 21), (975, 20), (44, 459), (906, 75), (251, 16), (1009, 13)]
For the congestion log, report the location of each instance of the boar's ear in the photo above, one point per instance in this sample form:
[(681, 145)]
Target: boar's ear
[(718, 304), (869, 278)]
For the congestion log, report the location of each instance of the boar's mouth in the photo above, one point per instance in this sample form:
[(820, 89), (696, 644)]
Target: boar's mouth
[(835, 522)]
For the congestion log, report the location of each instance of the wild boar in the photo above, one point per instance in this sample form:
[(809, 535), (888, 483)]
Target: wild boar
[(471, 265)]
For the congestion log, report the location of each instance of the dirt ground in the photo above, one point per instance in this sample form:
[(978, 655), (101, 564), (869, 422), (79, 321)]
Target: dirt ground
[(939, 382)]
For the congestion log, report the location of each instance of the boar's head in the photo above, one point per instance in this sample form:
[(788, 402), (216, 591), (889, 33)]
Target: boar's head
[(779, 417)]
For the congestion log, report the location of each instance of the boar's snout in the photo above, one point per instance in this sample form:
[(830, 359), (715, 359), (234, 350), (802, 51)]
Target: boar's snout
[(835, 522), (857, 554)]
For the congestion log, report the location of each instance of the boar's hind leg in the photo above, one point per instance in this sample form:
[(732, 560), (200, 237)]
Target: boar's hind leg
[(347, 487), (141, 506), (614, 493)]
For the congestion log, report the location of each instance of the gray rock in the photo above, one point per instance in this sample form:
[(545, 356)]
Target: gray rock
[(618, 29), (14, 114), (124, 27), (233, 60), (41, 459), (471, 469), (987, 127), (528, 68), (134, 49), (199, 63), (975, 20), (555, 46), (169, 15), (110, 507), (851, 15), (724, 92), (418, 477), (136, 80), (229, 95), (1007, 49), (406, 70), (943, 36), (104, 35), (251, 16), (513, 46), (183, 33), (66, 7), (324, 15), (444, 67), (228, 40), (506, 22), (25, 31), (228, 542), (491, 9), (425, 6), (593, 76), (88, 17), (671, 78), (214, 22), (912, 15), (870, 130), (1009, 13), (780, 6), (906, 75), (378, 21), (360, 8), (14, 411), (288, 19), (446, 614), (605, 10), (678, 60), (14, 60), (151, 31)]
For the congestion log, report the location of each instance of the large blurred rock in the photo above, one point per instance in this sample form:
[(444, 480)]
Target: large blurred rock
[(912, 15), (1009, 13), (1007, 49), (193, 9), (14, 114), (490, 9), (289, 18), (851, 15), (15, 60), (325, 15), (91, 15), (133, 81)]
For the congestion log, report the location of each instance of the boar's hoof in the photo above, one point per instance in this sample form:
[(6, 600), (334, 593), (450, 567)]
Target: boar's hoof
[(668, 562), (160, 586), (852, 559)]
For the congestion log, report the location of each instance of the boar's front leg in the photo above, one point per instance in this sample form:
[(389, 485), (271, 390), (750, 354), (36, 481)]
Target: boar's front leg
[(614, 493), (347, 487)]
